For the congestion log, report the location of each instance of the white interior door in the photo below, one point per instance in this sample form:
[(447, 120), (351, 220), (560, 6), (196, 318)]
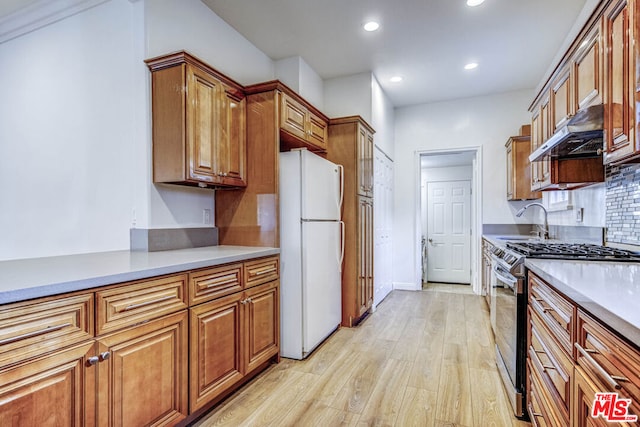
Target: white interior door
[(449, 231), (382, 220)]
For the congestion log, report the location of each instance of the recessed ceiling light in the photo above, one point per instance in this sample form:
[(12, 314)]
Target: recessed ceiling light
[(395, 79), (371, 26), (474, 2), (471, 66)]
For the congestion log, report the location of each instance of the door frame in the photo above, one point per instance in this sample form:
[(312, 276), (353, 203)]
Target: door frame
[(476, 213)]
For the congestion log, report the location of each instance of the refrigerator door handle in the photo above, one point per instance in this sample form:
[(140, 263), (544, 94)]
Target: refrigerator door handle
[(341, 169), (342, 235)]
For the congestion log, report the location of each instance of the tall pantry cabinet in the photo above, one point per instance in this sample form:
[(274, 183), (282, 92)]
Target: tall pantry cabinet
[(351, 145)]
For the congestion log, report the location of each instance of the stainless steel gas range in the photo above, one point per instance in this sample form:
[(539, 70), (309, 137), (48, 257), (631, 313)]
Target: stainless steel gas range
[(509, 302)]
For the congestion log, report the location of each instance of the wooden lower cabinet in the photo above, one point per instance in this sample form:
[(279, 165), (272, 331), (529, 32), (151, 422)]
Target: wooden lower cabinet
[(142, 373), (571, 357), (216, 347), (230, 338), (364, 298), (56, 389), (262, 324)]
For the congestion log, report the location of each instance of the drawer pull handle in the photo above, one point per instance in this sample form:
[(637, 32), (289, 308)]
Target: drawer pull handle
[(34, 333), (535, 414), (146, 303), (549, 367), (610, 379), (224, 280), (261, 272)]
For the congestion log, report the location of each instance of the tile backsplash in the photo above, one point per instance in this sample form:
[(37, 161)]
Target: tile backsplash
[(623, 204)]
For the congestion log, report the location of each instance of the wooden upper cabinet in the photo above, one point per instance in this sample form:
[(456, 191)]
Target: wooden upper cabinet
[(199, 134), (621, 80), (519, 167), (365, 161), (297, 120), (561, 105), (588, 70)]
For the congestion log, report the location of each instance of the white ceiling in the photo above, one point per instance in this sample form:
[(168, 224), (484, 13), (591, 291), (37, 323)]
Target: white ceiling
[(426, 41)]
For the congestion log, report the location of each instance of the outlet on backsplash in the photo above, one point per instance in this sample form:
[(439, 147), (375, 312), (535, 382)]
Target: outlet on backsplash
[(579, 213), (206, 216)]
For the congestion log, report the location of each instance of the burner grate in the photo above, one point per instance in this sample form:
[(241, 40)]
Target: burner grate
[(573, 251)]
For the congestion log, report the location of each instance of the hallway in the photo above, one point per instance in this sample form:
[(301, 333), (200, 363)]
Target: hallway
[(422, 359)]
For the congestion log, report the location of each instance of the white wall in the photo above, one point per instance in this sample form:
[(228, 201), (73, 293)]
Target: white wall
[(68, 135), (299, 76), (591, 199), (349, 96), (382, 118), (485, 121)]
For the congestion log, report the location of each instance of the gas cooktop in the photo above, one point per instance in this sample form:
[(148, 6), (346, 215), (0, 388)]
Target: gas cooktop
[(578, 251)]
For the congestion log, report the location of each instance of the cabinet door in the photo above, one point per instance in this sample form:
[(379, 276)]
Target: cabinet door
[(369, 260), (293, 117), (536, 140), (203, 112), (262, 324), (510, 173), (561, 105), (143, 373), (544, 165), (365, 254), (365, 162), (584, 395), (216, 348), (619, 120), (232, 147), (587, 71), (55, 390), (317, 134)]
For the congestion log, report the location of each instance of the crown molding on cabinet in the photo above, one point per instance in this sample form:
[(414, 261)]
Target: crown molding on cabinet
[(40, 14)]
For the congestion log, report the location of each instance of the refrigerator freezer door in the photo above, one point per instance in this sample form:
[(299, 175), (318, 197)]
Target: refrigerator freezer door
[(320, 188), (321, 279)]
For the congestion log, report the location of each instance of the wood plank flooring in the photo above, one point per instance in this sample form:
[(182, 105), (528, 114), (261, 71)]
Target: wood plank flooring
[(422, 359)]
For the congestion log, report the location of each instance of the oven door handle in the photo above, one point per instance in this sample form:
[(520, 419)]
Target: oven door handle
[(510, 281)]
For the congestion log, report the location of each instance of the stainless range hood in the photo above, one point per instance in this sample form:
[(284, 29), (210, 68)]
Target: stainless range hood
[(580, 137)]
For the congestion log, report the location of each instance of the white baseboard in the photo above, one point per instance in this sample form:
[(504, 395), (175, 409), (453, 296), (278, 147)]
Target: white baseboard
[(405, 286)]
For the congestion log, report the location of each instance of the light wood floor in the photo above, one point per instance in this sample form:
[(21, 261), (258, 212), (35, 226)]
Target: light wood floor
[(422, 359)]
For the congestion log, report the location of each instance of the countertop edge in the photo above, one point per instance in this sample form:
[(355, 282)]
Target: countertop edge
[(88, 283), (617, 324)]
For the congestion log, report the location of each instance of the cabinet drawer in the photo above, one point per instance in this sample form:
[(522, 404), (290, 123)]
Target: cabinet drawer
[(261, 271), (608, 361), (211, 283), (538, 405), (555, 311), (553, 366), (37, 327), (138, 302)]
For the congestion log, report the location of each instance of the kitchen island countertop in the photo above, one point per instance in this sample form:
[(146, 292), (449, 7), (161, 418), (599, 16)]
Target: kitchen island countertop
[(609, 291), (24, 279)]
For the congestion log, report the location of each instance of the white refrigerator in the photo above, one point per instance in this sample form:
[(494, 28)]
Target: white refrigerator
[(312, 250)]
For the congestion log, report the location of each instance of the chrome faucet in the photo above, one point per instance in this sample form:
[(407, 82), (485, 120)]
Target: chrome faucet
[(545, 229)]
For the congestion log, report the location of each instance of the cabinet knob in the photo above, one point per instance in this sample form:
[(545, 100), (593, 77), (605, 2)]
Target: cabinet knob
[(93, 360), (105, 355), (600, 151)]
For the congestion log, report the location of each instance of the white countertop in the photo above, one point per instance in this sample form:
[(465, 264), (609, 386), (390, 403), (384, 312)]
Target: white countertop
[(38, 277), (609, 291)]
